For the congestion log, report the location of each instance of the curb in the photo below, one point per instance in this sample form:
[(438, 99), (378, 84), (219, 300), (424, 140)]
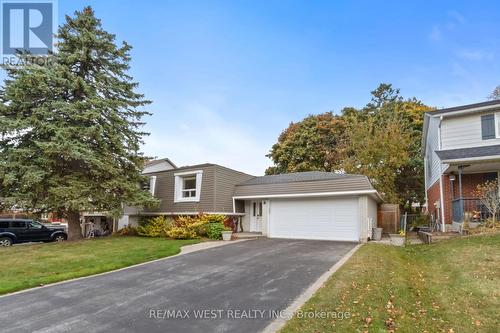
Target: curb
[(186, 249), (278, 323)]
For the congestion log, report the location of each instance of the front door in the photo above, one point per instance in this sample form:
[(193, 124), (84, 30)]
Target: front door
[(256, 217)]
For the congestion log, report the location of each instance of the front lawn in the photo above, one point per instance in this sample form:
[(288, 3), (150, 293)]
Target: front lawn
[(27, 266), (451, 286)]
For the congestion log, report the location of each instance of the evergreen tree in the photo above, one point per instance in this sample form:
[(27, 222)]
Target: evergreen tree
[(70, 130)]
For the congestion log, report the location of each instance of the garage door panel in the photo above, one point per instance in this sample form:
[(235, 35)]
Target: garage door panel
[(325, 218)]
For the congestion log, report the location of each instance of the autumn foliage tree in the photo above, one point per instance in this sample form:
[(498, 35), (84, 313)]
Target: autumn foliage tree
[(381, 140), (310, 144)]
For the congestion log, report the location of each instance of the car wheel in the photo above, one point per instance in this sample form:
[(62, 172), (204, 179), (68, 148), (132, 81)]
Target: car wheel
[(5, 241), (59, 238)]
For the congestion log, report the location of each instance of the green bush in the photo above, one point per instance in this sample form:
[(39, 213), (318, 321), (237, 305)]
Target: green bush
[(156, 227), (214, 230)]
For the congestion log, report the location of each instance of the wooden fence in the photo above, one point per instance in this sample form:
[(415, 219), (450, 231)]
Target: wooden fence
[(388, 218)]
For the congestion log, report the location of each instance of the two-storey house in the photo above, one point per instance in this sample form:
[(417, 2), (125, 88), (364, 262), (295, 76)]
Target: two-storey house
[(461, 148)]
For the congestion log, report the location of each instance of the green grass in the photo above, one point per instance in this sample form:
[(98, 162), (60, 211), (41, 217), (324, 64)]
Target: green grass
[(29, 266), (451, 286)]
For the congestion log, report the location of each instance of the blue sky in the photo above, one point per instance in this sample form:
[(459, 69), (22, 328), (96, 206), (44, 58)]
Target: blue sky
[(226, 77)]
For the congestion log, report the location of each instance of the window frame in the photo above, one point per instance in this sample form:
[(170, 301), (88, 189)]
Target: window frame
[(179, 186)]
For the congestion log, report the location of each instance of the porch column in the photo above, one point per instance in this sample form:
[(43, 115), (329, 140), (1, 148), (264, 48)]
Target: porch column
[(460, 170), (460, 197)]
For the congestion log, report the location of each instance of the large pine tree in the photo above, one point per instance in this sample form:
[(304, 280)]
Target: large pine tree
[(70, 130)]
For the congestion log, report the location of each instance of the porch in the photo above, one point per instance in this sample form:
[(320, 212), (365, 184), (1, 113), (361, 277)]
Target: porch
[(470, 209), (462, 195)]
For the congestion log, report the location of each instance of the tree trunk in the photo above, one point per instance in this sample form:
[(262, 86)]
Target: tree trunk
[(74, 228)]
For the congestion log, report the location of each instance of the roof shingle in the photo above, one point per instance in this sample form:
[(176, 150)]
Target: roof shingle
[(455, 154), (297, 177)]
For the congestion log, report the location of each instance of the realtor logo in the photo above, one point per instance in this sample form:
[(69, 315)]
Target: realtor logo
[(28, 26)]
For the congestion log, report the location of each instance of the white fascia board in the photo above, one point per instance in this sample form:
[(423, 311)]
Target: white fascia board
[(472, 159), (306, 195), (185, 173)]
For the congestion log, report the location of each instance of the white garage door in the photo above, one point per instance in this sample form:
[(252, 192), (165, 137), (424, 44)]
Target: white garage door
[(318, 218)]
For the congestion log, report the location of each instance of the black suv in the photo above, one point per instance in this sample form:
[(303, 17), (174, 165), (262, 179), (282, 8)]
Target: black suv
[(22, 231)]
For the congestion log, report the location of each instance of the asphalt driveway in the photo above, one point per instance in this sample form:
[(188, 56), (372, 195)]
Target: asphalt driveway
[(239, 287)]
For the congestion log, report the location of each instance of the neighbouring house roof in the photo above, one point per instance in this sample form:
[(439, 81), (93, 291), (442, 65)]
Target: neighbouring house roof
[(305, 184), (158, 161), (463, 153)]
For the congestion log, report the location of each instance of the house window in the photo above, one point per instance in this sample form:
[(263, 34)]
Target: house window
[(257, 208), (489, 126), (149, 185), (188, 186)]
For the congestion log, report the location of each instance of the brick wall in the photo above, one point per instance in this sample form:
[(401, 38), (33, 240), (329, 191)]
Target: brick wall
[(433, 195), (470, 182)]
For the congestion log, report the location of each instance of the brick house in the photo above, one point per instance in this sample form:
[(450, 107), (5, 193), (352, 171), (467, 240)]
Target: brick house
[(461, 149)]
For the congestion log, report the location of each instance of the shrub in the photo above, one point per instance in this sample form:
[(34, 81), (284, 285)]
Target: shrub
[(188, 227), (214, 230), (127, 231), (144, 220), (213, 218), (230, 224), (182, 233), (156, 227)]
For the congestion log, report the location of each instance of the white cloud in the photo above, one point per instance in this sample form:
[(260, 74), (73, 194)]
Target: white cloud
[(457, 17), (475, 55), (438, 31), (200, 135), (435, 34)]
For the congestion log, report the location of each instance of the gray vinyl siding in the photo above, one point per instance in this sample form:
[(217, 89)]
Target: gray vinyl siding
[(464, 132), (319, 186), (225, 181), (433, 164), (217, 188), (165, 191)]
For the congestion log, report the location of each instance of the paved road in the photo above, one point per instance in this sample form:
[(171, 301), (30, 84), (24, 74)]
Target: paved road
[(244, 284)]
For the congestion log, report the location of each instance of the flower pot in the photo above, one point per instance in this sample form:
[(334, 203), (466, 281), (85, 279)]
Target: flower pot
[(397, 240), (226, 235)]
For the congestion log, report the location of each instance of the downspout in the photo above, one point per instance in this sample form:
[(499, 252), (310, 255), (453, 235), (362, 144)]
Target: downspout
[(441, 191), (426, 188)]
